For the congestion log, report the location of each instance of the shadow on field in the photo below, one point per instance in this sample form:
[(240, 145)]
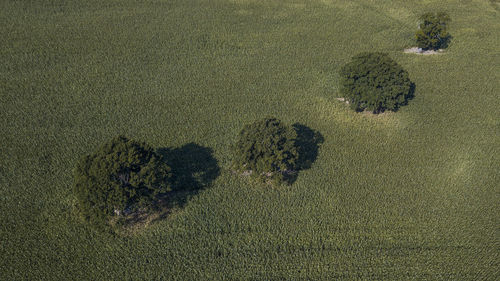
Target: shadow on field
[(409, 97), (193, 168), (445, 43), (308, 141), (411, 94)]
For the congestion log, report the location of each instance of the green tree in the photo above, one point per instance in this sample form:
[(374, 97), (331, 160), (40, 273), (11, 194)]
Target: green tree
[(432, 32), (375, 82), (121, 176), (267, 150)]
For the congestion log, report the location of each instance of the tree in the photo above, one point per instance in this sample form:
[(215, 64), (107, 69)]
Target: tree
[(121, 176), (432, 32), (266, 149), (373, 81)]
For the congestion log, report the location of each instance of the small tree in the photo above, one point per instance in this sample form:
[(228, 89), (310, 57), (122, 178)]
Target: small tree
[(121, 176), (266, 149), (432, 33), (373, 81)]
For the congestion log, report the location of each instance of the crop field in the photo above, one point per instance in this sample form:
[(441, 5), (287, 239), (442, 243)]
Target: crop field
[(406, 195)]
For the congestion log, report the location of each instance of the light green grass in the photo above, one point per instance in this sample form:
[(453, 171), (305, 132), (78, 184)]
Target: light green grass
[(407, 195)]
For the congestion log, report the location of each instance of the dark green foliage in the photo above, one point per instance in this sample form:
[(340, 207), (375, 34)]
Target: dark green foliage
[(432, 32), (120, 177), (266, 149), (375, 82)]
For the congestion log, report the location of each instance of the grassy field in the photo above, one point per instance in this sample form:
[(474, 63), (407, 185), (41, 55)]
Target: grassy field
[(397, 196)]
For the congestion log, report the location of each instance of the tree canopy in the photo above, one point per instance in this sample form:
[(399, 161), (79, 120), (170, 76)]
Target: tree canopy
[(123, 175), (266, 149), (375, 82), (432, 32)]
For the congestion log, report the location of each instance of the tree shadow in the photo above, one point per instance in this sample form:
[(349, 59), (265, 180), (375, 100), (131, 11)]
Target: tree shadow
[(410, 95), (193, 168), (445, 42), (307, 142)]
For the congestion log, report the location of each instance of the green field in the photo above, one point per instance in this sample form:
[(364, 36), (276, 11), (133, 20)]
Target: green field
[(411, 195)]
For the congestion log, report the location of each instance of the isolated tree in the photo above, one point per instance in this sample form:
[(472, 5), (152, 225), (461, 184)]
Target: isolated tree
[(266, 149), (432, 33), (121, 176), (375, 82)]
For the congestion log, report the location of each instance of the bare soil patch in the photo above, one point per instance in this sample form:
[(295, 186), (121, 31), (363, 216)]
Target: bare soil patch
[(342, 100), (419, 51)]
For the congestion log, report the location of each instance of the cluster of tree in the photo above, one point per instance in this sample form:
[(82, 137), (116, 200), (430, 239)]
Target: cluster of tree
[(373, 81), (124, 175)]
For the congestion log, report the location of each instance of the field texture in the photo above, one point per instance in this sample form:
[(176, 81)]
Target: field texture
[(397, 196)]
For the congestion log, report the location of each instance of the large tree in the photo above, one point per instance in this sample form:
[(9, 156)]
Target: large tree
[(432, 32), (123, 175), (375, 82), (266, 149)]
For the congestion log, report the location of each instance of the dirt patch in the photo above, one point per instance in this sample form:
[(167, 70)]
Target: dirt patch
[(419, 51), (134, 222), (129, 222), (247, 173), (342, 100)]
